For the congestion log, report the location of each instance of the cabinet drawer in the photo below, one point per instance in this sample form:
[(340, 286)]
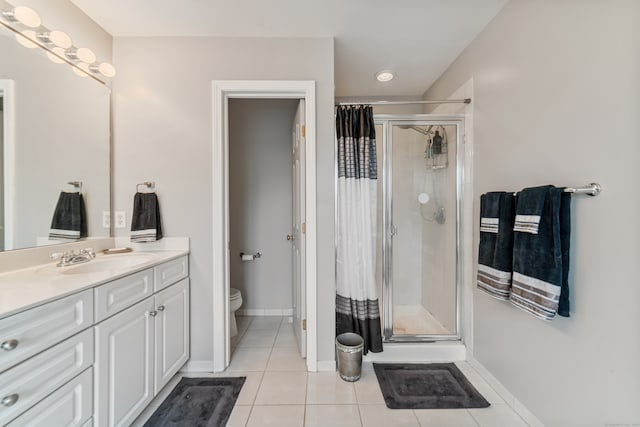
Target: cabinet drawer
[(122, 293), (170, 272), (41, 327), (32, 380), (70, 406)]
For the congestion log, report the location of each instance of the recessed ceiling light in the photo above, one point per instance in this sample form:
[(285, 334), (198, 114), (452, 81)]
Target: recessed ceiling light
[(385, 75)]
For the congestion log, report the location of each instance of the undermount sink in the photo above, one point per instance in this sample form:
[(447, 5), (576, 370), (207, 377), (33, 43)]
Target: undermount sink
[(102, 263)]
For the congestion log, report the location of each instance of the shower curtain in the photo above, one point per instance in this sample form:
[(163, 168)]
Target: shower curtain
[(357, 307)]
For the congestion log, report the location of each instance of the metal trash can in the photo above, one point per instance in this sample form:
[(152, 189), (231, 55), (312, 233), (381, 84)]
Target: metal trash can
[(349, 351)]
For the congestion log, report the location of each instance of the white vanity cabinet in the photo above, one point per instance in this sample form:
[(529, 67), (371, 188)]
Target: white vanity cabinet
[(139, 349), (98, 355)]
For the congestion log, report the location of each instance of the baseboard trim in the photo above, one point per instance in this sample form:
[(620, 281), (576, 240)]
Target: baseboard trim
[(505, 394), (326, 366), (198, 366), (265, 312)]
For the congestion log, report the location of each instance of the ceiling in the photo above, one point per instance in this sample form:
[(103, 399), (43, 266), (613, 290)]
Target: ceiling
[(418, 39)]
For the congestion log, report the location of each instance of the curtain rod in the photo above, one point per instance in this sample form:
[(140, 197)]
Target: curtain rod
[(444, 101)]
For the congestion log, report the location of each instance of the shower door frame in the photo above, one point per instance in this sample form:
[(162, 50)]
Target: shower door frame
[(387, 121)]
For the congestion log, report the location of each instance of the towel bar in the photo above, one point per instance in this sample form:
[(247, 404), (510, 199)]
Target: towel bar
[(76, 184), (592, 189), (148, 184)]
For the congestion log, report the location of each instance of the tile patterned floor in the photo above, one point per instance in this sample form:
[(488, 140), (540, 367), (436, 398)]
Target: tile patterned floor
[(279, 392)]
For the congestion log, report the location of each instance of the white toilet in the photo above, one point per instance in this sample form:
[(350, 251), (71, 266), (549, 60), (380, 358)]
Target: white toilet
[(235, 302)]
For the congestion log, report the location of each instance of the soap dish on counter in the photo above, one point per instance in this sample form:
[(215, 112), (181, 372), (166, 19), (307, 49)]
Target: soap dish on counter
[(113, 251)]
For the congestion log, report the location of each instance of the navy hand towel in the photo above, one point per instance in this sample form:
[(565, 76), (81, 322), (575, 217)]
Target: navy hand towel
[(145, 221), (541, 251), (69, 220), (495, 252)]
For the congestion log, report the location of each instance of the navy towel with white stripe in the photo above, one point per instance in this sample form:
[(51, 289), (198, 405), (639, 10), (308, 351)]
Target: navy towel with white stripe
[(69, 220), (541, 252), (145, 221), (496, 244)]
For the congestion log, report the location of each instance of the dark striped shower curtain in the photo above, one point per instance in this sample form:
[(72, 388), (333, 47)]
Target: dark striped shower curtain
[(357, 308)]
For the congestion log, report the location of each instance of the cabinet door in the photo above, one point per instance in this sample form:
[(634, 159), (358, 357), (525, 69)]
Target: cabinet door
[(172, 332), (124, 365)]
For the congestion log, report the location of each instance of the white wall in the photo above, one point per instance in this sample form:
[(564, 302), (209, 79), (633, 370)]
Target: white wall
[(556, 101), (163, 132), (260, 200)]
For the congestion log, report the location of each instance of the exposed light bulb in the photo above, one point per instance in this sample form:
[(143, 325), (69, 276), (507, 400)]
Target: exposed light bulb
[(107, 69), (24, 15), (57, 51), (85, 54), (60, 39), (26, 39), (385, 75)]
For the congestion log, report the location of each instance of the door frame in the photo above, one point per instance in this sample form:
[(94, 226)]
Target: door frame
[(223, 90)]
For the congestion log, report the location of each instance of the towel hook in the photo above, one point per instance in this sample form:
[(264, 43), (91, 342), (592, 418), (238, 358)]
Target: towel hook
[(148, 184), (76, 184)]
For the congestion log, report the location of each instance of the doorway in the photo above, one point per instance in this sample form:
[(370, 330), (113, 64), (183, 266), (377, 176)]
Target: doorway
[(223, 93)]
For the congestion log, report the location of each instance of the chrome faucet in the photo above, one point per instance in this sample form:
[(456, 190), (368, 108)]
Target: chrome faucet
[(71, 258)]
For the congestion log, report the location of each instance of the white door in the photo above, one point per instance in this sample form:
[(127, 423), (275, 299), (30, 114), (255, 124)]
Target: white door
[(172, 332), (297, 237), (124, 365)]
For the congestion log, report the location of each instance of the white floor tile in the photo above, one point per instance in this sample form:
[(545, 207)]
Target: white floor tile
[(285, 338), (249, 359), (282, 388), (265, 322), (329, 388), (445, 418), (258, 338), (277, 416), (239, 416), (250, 387), (367, 389), (286, 359), (498, 415), (381, 416), (332, 416)]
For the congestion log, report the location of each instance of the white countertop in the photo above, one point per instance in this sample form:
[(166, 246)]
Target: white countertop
[(29, 287)]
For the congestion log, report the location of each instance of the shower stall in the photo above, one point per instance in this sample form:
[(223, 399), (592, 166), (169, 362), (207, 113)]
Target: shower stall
[(419, 236)]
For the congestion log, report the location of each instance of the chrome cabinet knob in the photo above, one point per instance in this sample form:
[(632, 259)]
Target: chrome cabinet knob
[(153, 313), (9, 345), (290, 237), (10, 400), (161, 308)]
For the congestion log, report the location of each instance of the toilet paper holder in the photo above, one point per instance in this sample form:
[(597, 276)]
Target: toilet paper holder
[(249, 257)]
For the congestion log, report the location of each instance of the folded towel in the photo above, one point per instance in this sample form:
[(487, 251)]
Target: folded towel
[(496, 244), (539, 261), (145, 220), (69, 220)]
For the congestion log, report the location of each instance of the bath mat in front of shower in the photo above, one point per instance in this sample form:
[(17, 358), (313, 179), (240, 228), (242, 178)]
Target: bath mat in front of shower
[(198, 402), (426, 386)]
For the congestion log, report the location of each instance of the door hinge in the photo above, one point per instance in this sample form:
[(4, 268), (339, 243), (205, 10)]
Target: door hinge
[(304, 228), (304, 324), (303, 131)]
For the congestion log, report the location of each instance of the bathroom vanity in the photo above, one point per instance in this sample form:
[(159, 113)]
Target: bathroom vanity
[(91, 344)]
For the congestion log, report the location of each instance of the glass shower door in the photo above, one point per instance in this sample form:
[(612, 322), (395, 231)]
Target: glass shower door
[(421, 232)]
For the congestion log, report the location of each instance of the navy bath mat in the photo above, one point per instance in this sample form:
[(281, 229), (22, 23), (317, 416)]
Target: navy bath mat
[(198, 402), (426, 386)]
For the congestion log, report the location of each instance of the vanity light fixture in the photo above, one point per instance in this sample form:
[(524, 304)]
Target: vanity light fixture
[(56, 37), (57, 44), (385, 76), (24, 15)]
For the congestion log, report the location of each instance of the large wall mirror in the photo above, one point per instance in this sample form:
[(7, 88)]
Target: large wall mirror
[(54, 129)]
